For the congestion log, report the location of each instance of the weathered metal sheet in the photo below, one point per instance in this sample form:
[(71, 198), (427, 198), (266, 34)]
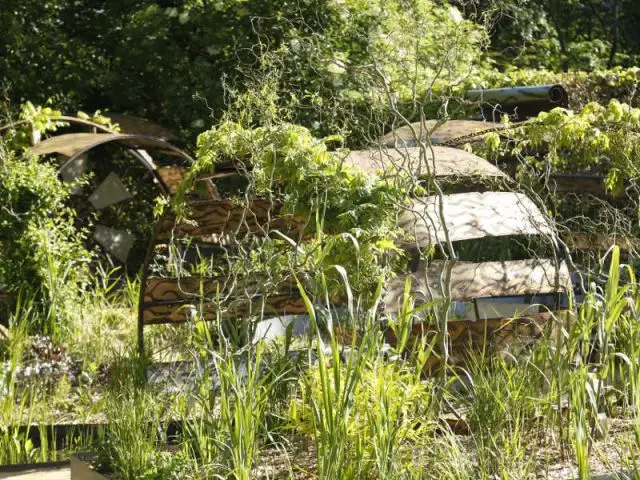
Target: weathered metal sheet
[(507, 334), (475, 280), (68, 144), (169, 300), (71, 144), (219, 217), (441, 162), (441, 132), (471, 215)]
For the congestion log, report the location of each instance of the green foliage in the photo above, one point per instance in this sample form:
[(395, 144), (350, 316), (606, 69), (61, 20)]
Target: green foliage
[(598, 140), (40, 248), (352, 214), (562, 35), (129, 445), (174, 64)]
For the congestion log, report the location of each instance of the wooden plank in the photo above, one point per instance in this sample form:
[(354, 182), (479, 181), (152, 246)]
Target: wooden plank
[(173, 176), (476, 280), (187, 289), (169, 300), (218, 217), (471, 215), (441, 162), (466, 130)]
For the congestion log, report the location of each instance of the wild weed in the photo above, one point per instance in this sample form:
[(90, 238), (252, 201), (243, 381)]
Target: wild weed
[(501, 395), (129, 445)]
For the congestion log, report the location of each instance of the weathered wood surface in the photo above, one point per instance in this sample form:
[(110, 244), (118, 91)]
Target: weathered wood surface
[(272, 306), (471, 215), (172, 300), (466, 130), (185, 289), (218, 217), (172, 177), (441, 162), (475, 280)]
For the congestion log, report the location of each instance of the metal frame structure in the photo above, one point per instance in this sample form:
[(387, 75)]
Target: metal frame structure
[(216, 217), (137, 146)]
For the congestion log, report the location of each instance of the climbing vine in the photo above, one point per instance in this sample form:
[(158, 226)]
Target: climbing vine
[(351, 215), (603, 140)]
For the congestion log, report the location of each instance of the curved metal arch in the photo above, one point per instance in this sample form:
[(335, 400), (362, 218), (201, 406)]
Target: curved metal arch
[(125, 141), (146, 142)]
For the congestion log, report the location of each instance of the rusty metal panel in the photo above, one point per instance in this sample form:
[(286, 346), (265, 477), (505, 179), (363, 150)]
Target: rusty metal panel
[(471, 215), (169, 300), (475, 280), (441, 162), (466, 130), (219, 217)]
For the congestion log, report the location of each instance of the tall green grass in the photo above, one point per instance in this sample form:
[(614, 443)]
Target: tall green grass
[(366, 409)]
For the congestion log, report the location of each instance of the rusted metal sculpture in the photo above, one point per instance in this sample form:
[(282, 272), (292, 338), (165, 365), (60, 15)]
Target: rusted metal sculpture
[(491, 294), (486, 296), (525, 102)]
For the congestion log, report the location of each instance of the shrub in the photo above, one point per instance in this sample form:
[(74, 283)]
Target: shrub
[(41, 251)]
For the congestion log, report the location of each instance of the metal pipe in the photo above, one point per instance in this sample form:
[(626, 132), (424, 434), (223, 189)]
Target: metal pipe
[(520, 102)]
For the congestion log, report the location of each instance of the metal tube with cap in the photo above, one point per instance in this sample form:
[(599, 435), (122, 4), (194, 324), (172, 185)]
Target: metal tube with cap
[(519, 102)]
